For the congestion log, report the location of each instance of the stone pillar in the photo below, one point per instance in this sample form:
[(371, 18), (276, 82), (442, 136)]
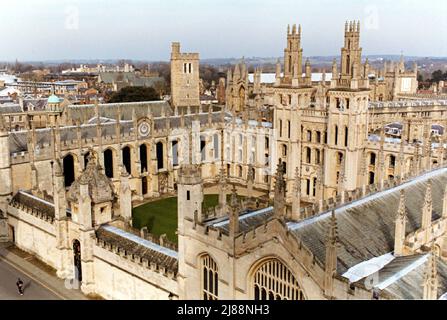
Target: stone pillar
[(61, 222), (86, 238), (6, 180), (153, 169), (125, 197), (234, 214), (296, 196), (431, 279), (330, 269), (399, 231), (427, 211)]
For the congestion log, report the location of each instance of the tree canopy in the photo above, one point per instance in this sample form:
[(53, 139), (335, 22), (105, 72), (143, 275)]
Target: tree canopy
[(134, 94), (438, 75)]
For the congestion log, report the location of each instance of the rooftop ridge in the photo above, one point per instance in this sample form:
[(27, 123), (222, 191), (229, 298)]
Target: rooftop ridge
[(398, 275), (141, 241), (425, 176)]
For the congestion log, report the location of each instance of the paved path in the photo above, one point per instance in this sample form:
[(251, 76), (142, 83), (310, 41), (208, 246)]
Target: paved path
[(40, 282), (33, 290)]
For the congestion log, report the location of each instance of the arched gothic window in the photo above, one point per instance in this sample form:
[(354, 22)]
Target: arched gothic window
[(274, 281), (308, 155), (160, 151), (392, 161), (69, 173), (317, 156), (346, 136), (127, 162), (143, 157), (239, 171), (210, 275), (108, 163), (284, 150), (336, 135)]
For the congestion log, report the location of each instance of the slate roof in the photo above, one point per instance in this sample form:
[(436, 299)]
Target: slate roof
[(18, 139), (410, 285), (33, 202), (366, 228), (131, 247), (247, 221), (84, 113), (39, 104), (10, 108)]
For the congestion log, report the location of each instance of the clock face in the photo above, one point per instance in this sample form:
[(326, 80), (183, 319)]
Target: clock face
[(144, 129)]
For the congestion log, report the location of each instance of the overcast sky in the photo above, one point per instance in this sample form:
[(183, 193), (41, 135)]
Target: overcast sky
[(144, 29)]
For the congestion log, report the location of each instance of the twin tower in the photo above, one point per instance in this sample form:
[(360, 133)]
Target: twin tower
[(185, 81), (351, 53)]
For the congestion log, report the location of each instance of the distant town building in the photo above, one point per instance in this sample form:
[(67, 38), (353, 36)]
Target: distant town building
[(62, 87), (116, 80)]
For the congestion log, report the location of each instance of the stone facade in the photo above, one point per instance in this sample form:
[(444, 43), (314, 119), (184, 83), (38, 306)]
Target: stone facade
[(314, 161), (184, 78)]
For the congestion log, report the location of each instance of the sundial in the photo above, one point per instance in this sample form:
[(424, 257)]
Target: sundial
[(144, 129)]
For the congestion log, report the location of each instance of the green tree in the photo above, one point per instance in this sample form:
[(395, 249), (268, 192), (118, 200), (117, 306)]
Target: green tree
[(134, 94), (437, 76)]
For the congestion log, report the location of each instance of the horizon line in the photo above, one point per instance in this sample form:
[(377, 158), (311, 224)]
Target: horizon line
[(214, 58)]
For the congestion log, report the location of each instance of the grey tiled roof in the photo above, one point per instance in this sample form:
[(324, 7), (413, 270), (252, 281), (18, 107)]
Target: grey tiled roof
[(39, 104), (410, 285), (247, 221), (18, 139), (366, 230), (84, 113), (33, 202), (161, 259), (10, 108)]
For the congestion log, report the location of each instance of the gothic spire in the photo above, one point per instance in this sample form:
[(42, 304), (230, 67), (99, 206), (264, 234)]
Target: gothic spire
[(427, 209), (332, 237), (444, 204), (331, 256), (431, 279), (296, 196), (234, 213), (280, 190), (401, 211), (399, 230), (233, 200), (280, 184)]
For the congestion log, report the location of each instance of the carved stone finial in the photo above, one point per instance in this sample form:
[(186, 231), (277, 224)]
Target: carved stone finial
[(430, 285), (333, 230)]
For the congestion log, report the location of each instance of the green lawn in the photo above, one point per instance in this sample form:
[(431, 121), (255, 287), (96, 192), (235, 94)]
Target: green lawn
[(161, 216)]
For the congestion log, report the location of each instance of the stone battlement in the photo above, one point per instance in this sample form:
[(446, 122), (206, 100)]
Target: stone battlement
[(166, 268), (408, 104)]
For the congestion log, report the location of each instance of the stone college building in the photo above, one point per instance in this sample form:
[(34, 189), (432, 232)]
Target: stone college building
[(330, 185)]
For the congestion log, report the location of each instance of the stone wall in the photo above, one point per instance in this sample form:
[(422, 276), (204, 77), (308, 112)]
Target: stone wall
[(34, 235), (119, 277)]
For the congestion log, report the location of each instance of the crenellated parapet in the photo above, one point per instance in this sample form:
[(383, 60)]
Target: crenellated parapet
[(150, 259), (34, 206), (407, 104)]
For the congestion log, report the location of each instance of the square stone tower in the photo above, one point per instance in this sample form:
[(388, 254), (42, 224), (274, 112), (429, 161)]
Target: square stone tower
[(184, 78)]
